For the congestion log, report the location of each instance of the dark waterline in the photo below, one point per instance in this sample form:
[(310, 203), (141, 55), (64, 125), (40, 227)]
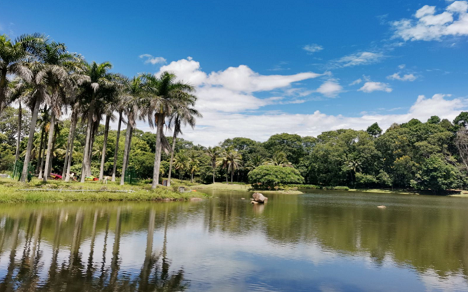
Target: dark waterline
[(322, 241)]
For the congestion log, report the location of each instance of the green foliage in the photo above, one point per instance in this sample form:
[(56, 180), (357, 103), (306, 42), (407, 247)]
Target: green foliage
[(271, 177), (374, 130), (437, 175)]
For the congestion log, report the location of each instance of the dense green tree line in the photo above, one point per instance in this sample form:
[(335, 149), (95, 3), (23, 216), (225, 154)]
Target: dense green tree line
[(423, 156)]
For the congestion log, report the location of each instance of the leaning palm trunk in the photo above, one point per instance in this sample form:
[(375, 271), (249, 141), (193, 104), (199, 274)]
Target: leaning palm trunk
[(48, 160), (174, 137), (18, 138), (116, 151), (85, 167), (157, 158), (103, 158), (32, 130), (68, 153), (126, 151)]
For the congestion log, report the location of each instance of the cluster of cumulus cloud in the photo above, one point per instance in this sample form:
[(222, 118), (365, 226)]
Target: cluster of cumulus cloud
[(428, 25), (227, 99)]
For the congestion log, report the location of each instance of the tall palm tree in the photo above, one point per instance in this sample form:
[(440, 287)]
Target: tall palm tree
[(16, 92), (98, 90), (13, 55), (59, 63), (109, 110), (167, 94), (182, 116), (213, 153), (132, 100), (116, 149), (35, 93)]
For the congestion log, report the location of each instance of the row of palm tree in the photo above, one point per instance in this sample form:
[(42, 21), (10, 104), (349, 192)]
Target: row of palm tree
[(48, 77)]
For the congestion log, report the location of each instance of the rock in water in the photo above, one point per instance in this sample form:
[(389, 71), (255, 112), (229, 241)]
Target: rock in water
[(259, 198)]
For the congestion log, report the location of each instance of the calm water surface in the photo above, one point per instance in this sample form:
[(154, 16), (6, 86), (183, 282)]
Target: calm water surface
[(313, 242)]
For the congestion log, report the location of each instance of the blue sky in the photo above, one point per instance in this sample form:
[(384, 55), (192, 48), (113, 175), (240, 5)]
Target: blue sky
[(265, 67)]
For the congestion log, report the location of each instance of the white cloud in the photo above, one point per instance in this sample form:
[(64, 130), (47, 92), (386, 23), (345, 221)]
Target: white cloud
[(406, 77), (153, 60), (231, 90), (402, 66), (330, 88), (371, 86), (357, 81), (428, 25), (216, 126), (313, 48), (362, 58)]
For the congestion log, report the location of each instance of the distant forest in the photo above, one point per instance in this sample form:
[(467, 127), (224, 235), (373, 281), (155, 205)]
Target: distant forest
[(431, 155)]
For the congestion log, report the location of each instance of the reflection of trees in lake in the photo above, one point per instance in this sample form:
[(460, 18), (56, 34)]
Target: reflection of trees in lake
[(73, 272), (425, 232)]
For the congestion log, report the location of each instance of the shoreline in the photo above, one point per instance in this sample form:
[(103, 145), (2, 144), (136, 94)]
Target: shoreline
[(12, 192)]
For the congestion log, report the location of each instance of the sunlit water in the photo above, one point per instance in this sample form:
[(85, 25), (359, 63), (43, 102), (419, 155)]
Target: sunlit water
[(315, 242)]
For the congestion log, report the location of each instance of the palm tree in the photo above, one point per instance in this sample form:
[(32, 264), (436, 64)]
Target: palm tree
[(109, 109), (116, 150), (71, 139), (279, 159), (99, 89), (181, 163), (58, 65), (166, 95), (35, 93), (213, 153), (182, 115), (193, 164), (132, 103), (231, 160), (13, 55), (17, 89)]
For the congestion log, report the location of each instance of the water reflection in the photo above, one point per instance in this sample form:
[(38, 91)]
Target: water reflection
[(53, 250), (311, 242)]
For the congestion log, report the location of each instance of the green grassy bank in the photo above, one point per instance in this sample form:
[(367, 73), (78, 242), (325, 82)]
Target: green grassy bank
[(37, 191)]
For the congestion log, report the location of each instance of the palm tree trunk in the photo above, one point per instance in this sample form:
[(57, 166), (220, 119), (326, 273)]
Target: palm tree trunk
[(39, 160), (18, 138), (116, 151), (126, 150), (32, 130), (130, 145), (70, 138), (85, 166), (71, 146), (157, 158), (191, 177), (174, 137), (104, 146), (232, 175), (48, 160), (41, 167)]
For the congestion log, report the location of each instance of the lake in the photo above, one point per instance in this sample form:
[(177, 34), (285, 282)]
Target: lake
[(321, 241)]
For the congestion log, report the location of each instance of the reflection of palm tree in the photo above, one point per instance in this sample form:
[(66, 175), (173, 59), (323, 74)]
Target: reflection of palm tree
[(6, 285), (115, 266)]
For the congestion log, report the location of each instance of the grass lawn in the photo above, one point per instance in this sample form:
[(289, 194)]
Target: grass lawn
[(12, 191)]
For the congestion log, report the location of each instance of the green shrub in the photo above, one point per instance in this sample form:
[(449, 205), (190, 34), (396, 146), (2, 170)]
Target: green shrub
[(274, 177)]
